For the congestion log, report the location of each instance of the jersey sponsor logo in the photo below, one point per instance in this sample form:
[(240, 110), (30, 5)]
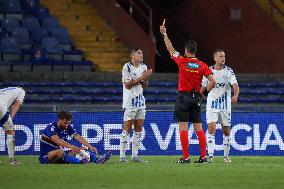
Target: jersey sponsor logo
[(220, 85), (192, 65), (192, 71)]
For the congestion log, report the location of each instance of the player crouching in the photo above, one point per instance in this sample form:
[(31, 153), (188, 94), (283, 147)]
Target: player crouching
[(54, 139)]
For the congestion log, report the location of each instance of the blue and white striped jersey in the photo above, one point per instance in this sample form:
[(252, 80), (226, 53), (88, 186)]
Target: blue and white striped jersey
[(219, 98), (133, 98)]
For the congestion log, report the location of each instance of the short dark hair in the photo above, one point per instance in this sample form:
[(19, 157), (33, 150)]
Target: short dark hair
[(64, 115), (217, 50), (133, 50), (191, 46)]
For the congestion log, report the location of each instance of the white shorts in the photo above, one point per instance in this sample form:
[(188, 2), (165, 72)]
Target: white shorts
[(8, 125), (223, 118), (134, 114)]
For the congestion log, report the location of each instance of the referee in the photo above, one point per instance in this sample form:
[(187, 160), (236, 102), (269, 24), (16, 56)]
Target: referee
[(187, 108)]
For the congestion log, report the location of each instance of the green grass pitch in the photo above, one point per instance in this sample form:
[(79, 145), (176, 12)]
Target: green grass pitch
[(160, 172)]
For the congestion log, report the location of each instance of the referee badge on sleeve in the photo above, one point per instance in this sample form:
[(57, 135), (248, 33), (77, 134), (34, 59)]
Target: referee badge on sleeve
[(175, 54)]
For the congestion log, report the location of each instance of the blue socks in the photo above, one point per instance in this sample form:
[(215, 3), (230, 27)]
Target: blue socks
[(93, 156), (70, 159)]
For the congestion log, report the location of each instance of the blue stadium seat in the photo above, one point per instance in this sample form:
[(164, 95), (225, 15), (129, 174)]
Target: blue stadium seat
[(41, 13), (9, 44), (13, 8), (50, 23), (51, 46), (10, 49), (10, 24), (30, 23), (62, 35), (38, 34), (30, 6), (22, 36), (73, 55), (3, 33)]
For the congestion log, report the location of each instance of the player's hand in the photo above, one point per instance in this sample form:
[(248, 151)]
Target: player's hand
[(75, 150), (234, 99), (146, 74), (94, 150), (205, 92), (163, 28)]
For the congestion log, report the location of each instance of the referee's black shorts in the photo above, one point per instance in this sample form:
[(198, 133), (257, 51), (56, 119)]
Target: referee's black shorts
[(188, 107)]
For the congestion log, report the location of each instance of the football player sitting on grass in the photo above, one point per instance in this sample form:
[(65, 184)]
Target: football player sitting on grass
[(54, 139)]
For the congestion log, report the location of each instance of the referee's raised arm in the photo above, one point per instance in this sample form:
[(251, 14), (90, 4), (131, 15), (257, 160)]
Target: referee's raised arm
[(167, 41)]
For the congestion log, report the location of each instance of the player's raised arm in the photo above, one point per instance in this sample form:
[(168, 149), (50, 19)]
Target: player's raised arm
[(167, 41)]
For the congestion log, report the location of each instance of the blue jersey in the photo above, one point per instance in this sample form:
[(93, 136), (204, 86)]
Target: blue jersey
[(46, 144)]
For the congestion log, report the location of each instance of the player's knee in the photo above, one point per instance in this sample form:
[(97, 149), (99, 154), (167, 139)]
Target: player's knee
[(11, 132), (59, 153), (226, 131)]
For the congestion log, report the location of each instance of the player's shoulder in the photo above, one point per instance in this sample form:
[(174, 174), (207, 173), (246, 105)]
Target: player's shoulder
[(20, 91), (51, 125), (127, 67), (229, 69)]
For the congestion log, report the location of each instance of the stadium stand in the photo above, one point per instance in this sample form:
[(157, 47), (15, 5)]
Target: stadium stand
[(255, 94), (41, 39), (90, 33), (27, 28), (275, 9), (31, 23)]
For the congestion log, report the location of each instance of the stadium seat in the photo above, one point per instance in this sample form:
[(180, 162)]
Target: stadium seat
[(38, 34), (62, 35), (3, 33), (51, 46), (73, 55), (82, 66), (62, 66), (10, 24), (22, 36), (30, 6), (12, 8), (41, 13), (5, 67), (50, 23), (30, 23), (10, 49), (22, 66)]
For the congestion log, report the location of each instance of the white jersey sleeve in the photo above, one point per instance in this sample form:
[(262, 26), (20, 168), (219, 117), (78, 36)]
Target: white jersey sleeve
[(21, 95), (10, 94), (205, 82), (126, 76), (231, 76)]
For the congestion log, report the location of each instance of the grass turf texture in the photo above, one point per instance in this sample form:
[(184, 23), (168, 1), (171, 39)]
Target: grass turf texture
[(159, 172)]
